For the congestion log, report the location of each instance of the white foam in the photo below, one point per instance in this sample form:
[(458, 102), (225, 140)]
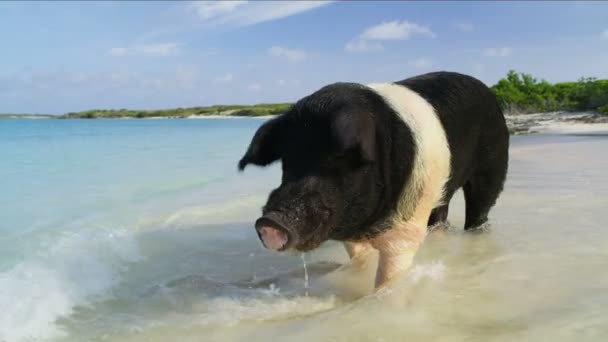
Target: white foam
[(76, 268), (32, 297)]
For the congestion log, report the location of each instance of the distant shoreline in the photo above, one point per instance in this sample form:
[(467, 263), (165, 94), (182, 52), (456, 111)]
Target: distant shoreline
[(191, 117), (229, 117), (216, 111), (518, 124), (27, 116)]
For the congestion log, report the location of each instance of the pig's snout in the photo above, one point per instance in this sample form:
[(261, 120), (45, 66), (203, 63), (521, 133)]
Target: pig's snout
[(273, 234)]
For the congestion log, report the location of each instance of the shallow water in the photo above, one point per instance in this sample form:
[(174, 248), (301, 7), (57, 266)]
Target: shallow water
[(136, 230)]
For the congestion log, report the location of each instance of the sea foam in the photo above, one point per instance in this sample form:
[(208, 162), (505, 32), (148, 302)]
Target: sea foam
[(73, 270)]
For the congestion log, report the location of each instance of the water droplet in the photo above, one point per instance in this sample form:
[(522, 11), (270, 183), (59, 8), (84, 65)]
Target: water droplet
[(305, 275)]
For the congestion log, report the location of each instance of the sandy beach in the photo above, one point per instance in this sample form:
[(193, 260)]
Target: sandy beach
[(556, 123)]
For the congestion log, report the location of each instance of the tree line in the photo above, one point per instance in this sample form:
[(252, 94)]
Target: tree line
[(222, 110), (522, 93)]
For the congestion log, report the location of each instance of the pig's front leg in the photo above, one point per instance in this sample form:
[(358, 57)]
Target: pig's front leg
[(359, 253), (397, 248)]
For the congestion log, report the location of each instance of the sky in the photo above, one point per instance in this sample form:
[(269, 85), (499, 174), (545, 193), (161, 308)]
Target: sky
[(59, 57)]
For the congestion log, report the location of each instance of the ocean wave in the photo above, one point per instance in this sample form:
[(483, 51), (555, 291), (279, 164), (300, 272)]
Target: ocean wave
[(76, 268)]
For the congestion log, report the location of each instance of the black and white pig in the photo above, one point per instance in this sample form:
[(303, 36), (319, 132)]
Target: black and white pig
[(374, 165)]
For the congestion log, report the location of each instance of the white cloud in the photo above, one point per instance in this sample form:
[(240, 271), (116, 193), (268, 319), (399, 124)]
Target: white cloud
[(420, 63), (169, 78), (210, 9), (254, 87), (159, 49), (227, 77), (395, 30), (387, 31), (291, 55), (245, 13), (464, 26), (497, 52), (605, 34)]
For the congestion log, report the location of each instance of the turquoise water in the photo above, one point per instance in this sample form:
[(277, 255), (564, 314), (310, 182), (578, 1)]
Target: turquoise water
[(60, 173), (75, 192), (141, 230)]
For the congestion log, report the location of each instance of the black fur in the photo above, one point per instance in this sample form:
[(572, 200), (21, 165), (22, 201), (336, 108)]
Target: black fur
[(478, 138), (346, 157)]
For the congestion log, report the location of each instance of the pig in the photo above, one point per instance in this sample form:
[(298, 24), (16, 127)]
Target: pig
[(375, 165)]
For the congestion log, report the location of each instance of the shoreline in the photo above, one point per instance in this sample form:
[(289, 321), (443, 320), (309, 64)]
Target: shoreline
[(518, 124), (197, 117), (556, 123)]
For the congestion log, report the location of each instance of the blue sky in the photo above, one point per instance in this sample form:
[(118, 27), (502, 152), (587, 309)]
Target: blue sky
[(68, 56)]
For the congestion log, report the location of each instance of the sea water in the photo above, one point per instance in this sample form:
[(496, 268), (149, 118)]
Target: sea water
[(142, 230)]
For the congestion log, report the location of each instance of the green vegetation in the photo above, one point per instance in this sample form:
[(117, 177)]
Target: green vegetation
[(230, 110), (522, 93)]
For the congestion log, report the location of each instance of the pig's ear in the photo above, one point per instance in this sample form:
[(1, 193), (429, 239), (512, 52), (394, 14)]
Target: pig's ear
[(264, 148), (356, 131)]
